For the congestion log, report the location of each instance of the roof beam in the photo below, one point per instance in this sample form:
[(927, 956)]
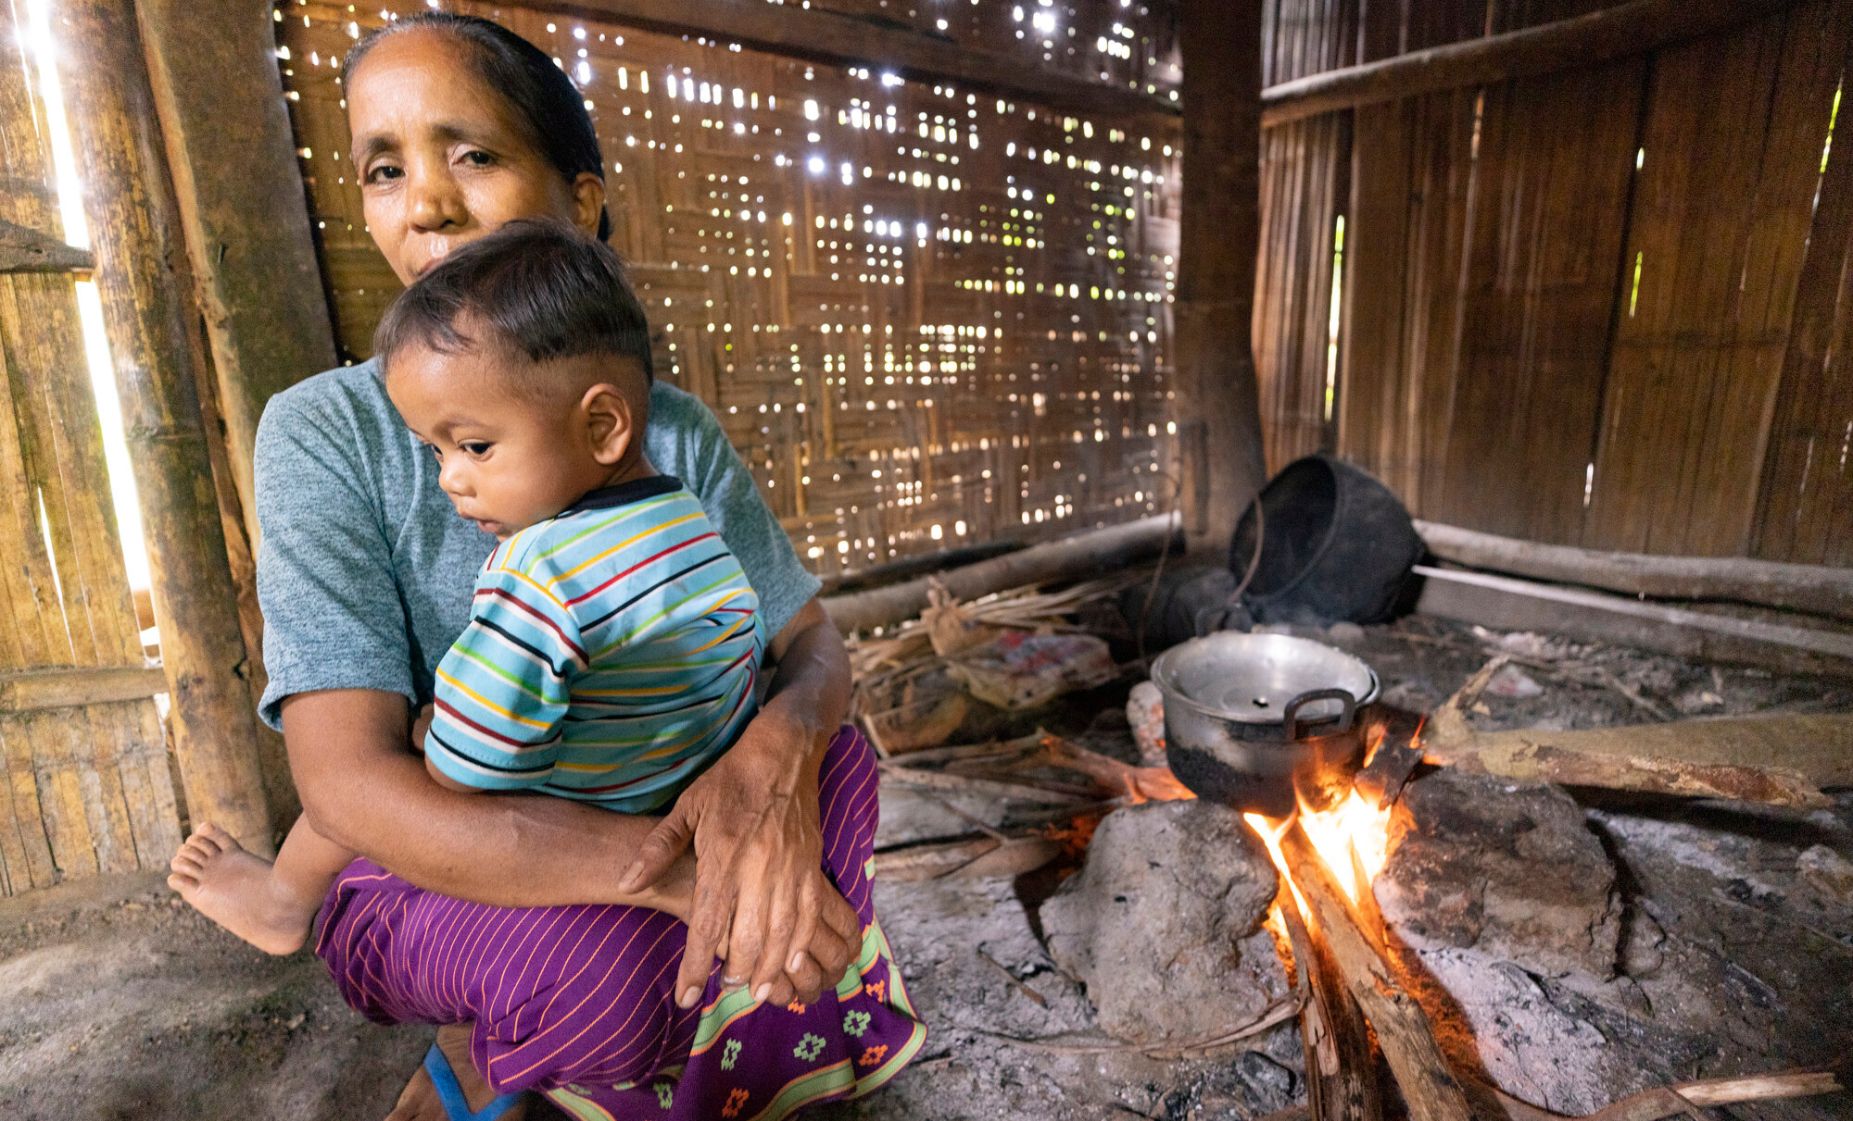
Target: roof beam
[(1580, 43), (835, 38)]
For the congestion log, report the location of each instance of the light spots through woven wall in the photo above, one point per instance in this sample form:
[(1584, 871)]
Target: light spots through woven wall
[(925, 315)]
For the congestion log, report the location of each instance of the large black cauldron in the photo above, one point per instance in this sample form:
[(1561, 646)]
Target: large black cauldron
[(1336, 546)]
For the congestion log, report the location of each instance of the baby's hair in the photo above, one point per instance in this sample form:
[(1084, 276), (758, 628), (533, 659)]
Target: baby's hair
[(537, 288)]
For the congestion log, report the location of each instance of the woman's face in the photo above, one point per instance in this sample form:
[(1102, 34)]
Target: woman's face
[(442, 158)]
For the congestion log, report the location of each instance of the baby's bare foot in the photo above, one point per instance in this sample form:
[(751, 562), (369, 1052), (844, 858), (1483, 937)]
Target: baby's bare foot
[(235, 889)]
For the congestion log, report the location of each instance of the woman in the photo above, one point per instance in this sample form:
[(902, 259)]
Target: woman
[(459, 126)]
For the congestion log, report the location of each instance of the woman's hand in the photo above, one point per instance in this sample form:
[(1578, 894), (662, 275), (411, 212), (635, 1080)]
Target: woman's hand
[(761, 895)]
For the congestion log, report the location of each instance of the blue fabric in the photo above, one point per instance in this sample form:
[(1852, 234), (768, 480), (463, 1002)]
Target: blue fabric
[(450, 1092), (364, 569)]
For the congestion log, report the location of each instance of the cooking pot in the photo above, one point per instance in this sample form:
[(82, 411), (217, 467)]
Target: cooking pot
[(1263, 721)]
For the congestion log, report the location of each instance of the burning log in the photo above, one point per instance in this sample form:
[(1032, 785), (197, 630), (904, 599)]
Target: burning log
[(1339, 1059), (1428, 1085)]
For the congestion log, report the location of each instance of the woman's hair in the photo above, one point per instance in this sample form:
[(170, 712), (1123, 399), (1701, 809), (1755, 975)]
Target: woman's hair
[(550, 109), (536, 289)]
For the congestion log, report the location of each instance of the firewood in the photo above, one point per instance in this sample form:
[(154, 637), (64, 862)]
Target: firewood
[(1015, 982), (1277, 1013), (975, 856), (1151, 784), (1818, 589), (1069, 558), (967, 784), (1688, 1097), (1796, 754), (1428, 1085), (970, 752), (1339, 1058)]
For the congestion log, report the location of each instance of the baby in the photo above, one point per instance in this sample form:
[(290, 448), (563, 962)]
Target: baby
[(614, 641)]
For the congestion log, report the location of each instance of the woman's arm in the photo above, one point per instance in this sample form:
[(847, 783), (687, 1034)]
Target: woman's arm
[(362, 789), (752, 819)]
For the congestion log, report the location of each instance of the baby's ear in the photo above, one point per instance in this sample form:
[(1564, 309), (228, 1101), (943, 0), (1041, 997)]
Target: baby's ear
[(609, 421)]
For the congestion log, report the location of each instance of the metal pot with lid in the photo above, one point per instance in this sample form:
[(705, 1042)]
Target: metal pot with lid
[(1262, 721)]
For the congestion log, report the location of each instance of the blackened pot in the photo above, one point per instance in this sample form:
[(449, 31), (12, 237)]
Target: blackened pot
[(1336, 545), (1263, 721)]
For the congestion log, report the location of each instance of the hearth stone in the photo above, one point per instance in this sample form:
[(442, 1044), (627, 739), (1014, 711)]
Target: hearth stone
[(1163, 923), (1509, 869)]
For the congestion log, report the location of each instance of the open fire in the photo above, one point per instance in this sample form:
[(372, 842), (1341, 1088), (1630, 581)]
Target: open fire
[(1351, 836)]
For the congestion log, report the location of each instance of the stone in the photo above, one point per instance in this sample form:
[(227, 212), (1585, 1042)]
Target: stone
[(1162, 925), (1513, 683), (1345, 634), (1827, 872), (1145, 711), (1511, 870)]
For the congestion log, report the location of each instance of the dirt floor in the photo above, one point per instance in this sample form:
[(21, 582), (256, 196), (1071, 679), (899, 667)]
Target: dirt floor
[(121, 1003)]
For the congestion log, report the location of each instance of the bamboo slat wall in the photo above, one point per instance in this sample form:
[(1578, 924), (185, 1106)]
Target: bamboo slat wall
[(1598, 307), (926, 316), (87, 788)]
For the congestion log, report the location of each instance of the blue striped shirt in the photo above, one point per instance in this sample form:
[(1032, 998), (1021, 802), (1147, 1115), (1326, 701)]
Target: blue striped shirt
[(612, 653)]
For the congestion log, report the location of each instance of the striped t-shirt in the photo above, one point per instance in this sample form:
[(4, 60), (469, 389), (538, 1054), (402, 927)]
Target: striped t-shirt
[(612, 653)]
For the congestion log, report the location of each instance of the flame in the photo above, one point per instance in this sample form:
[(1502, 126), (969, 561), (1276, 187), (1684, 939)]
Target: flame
[(1270, 831), (1352, 840)]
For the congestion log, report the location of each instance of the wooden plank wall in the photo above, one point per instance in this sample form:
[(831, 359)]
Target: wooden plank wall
[(1598, 307), (83, 789), (1808, 485), (1305, 181), (926, 317)]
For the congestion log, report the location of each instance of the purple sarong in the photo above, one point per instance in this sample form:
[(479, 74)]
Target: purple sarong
[(576, 1002)]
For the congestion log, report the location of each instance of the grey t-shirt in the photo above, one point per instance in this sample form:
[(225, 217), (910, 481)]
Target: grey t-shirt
[(364, 570)]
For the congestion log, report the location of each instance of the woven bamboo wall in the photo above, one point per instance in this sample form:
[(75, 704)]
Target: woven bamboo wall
[(1597, 307), (926, 316), (86, 789)]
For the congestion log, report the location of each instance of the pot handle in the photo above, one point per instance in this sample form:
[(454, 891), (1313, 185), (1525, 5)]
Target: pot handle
[(1291, 715)]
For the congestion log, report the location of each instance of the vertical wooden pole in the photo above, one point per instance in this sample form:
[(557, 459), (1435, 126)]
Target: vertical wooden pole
[(249, 240), (144, 281), (247, 233), (1218, 402)]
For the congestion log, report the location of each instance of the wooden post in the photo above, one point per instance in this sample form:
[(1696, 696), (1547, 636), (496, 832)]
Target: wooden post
[(143, 278), (253, 256), (1218, 401), (247, 233)]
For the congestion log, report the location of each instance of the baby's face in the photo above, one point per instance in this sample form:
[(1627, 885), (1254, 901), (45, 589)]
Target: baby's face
[(506, 458)]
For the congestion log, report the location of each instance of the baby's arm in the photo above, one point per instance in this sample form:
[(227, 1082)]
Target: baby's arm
[(502, 689), (421, 727), (446, 781)]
